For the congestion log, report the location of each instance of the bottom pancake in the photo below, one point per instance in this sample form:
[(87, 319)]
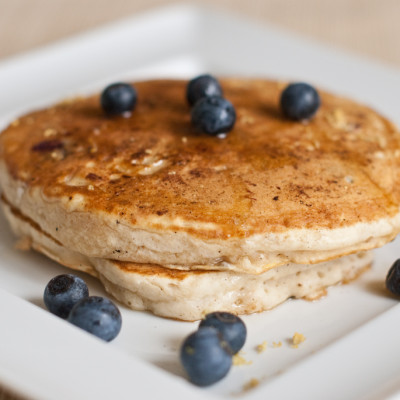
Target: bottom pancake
[(188, 295)]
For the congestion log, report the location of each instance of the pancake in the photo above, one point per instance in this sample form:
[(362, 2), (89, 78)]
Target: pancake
[(149, 189), (189, 295)]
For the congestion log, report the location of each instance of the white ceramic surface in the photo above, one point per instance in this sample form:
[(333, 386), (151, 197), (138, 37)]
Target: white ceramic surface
[(351, 350)]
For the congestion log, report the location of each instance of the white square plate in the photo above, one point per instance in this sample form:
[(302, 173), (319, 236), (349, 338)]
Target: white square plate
[(351, 350)]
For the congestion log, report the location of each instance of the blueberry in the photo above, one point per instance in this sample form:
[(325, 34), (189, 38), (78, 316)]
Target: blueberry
[(98, 316), (202, 86), (205, 357), (393, 278), (63, 292), (232, 328), (300, 101), (213, 115), (118, 98)]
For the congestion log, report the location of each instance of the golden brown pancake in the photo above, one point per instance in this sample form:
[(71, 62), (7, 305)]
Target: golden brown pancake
[(148, 188)]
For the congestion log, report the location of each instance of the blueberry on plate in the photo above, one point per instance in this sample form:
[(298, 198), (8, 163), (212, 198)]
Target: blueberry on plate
[(63, 292), (213, 115), (202, 86), (231, 327), (299, 101), (205, 357), (118, 98), (97, 315), (393, 278)]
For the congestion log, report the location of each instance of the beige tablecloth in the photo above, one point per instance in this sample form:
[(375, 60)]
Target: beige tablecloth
[(368, 27)]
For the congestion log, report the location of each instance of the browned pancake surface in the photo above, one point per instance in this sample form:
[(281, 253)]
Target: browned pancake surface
[(268, 175)]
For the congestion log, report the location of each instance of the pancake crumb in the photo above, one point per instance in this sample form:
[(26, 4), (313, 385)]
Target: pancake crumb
[(115, 177), (57, 155), (261, 347), (297, 339), (251, 384), (49, 132), (238, 359), (277, 344), (247, 119), (15, 123), (337, 119), (90, 164)]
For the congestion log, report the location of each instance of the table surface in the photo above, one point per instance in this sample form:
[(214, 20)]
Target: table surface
[(366, 27)]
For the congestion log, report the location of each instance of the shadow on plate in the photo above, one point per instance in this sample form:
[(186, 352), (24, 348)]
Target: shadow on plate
[(37, 301), (378, 288), (171, 365)]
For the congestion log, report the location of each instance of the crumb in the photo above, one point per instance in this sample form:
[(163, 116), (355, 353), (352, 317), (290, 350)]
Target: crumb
[(15, 123), (279, 344), (251, 384), (57, 155), (49, 132), (114, 177), (90, 187), (184, 139), (261, 347), (246, 119), (239, 360), (337, 119), (297, 339)]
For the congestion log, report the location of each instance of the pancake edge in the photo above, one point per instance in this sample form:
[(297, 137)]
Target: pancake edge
[(189, 295)]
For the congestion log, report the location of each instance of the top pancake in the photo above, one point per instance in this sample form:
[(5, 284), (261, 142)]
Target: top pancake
[(149, 188)]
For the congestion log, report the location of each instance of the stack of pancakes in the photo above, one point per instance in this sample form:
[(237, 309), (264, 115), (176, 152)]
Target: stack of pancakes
[(181, 223)]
